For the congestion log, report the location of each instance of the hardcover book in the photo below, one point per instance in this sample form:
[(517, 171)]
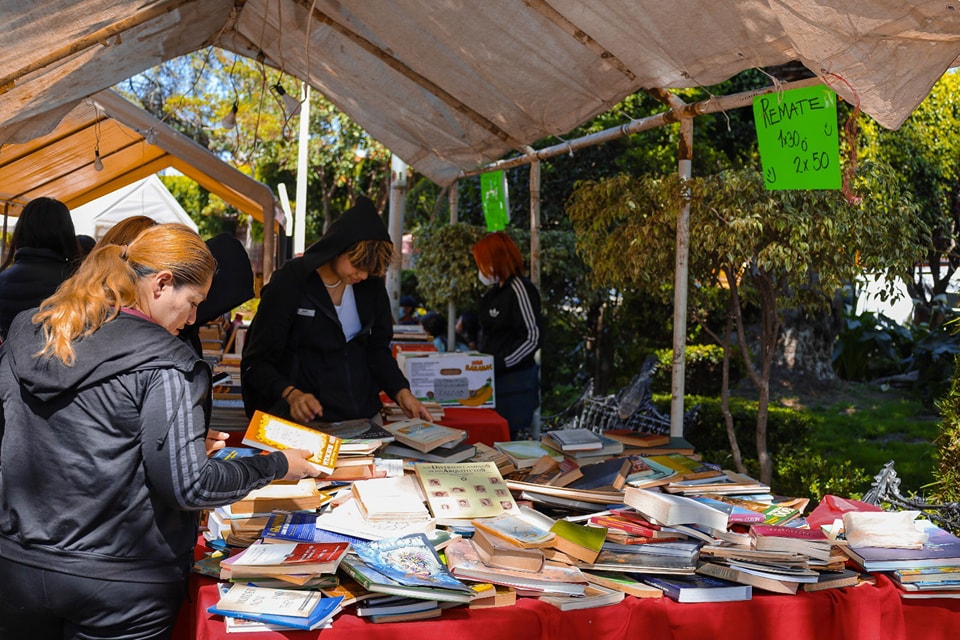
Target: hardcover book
[(271, 433), (834, 580), (422, 435), (465, 490), (642, 439)]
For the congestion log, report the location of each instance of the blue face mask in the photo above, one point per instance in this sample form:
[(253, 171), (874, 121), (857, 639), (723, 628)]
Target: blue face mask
[(487, 281)]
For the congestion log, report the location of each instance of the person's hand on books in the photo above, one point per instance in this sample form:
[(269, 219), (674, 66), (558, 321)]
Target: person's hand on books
[(304, 407), (297, 466), (412, 407), (216, 440)]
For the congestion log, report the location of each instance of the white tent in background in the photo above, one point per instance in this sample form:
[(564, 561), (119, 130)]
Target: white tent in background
[(148, 197)]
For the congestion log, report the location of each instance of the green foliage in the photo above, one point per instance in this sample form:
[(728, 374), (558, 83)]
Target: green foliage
[(870, 346), (804, 472), (947, 487), (703, 368), (445, 266), (708, 434)]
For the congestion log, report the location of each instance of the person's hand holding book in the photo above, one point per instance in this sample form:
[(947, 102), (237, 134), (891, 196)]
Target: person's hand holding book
[(297, 466)]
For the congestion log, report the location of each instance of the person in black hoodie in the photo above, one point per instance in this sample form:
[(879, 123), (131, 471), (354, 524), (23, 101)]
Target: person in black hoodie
[(318, 348), (103, 452), (509, 329), (43, 253)]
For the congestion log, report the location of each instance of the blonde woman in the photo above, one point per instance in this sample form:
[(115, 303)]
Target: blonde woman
[(103, 465)]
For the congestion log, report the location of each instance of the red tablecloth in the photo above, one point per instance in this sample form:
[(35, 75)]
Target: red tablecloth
[(482, 425), (858, 613)]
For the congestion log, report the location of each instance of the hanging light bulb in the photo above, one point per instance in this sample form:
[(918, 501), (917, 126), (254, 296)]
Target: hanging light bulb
[(291, 105), (97, 162), (230, 120)]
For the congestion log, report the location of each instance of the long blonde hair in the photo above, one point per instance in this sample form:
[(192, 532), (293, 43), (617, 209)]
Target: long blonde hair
[(107, 281)]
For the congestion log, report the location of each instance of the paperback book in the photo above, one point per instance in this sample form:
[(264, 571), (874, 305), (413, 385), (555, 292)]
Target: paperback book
[(284, 558), (942, 549), (465, 490), (422, 435), (525, 453), (410, 560), (700, 588), (368, 577), (464, 563), (295, 609), (254, 621), (395, 498), (458, 453), (272, 433), (669, 509), (572, 440)]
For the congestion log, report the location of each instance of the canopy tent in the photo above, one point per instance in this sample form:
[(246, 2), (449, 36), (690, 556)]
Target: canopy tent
[(451, 86), (148, 197)]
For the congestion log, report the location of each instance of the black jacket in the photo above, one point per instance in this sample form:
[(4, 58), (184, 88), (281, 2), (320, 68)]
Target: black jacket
[(102, 464), (296, 338), (510, 324), (34, 275)]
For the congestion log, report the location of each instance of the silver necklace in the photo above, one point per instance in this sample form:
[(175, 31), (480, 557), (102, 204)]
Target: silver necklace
[(332, 286)]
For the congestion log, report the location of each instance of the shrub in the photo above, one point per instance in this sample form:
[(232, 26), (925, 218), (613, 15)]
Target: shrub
[(798, 471), (947, 486), (703, 368)]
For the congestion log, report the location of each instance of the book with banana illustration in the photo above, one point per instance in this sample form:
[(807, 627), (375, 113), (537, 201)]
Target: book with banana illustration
[(450, 379)]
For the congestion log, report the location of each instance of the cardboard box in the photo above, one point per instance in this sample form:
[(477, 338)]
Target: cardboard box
[(451, 379)]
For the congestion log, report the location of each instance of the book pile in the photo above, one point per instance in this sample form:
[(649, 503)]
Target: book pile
[(582, 445), (925, 570), (392, 412), (275, 609), (422, 440), (297, 563)]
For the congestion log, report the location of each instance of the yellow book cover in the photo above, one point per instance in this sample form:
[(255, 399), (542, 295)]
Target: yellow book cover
[(465, 489), (272, 433)]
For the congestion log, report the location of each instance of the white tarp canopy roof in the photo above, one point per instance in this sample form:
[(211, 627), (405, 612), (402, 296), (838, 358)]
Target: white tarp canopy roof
[(148, 197), (450, 86)]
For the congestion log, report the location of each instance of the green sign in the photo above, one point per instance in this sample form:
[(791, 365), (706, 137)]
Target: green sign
[(495, 208), (797, 134)]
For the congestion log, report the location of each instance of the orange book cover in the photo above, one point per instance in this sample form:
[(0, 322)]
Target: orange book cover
[(272, 433)]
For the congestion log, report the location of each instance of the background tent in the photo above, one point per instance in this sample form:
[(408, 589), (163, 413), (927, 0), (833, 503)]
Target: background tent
[(148, 197)]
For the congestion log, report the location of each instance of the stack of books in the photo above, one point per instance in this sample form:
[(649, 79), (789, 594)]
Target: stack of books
[(275, 609), (293, 562), (422, 440)]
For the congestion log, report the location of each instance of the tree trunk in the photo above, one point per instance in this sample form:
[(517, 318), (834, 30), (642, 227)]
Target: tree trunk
[(805, 348)]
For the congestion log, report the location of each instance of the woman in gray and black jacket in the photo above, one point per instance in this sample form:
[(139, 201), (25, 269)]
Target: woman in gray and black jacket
[(103, 457)]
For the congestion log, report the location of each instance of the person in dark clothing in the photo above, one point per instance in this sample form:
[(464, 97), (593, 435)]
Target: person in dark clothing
[(318, 347), (103, 457), (509, 329), (43, 252), (468, 330), (408, 311)]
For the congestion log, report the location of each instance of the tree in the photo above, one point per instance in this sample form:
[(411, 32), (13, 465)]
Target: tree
[(925, 153), (776, 250)]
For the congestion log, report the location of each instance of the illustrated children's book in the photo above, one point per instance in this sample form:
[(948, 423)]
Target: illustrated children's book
[(271, 433), (411, 561)]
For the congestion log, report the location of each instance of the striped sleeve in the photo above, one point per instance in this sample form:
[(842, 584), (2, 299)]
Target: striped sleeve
[(529, 318)]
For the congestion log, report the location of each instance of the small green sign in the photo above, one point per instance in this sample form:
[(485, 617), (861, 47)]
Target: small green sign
[(797, 134), (495, 208)]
